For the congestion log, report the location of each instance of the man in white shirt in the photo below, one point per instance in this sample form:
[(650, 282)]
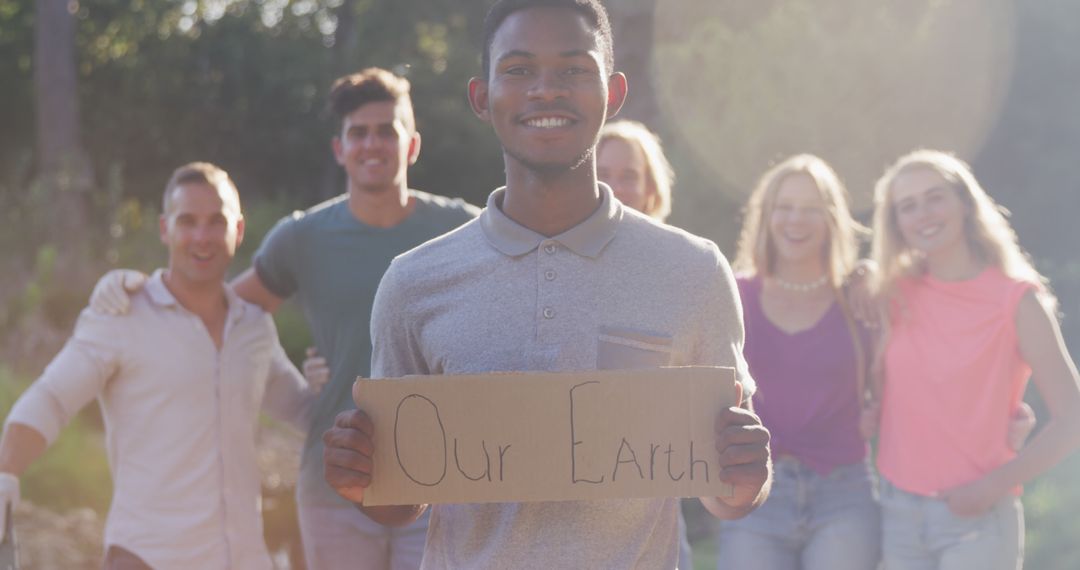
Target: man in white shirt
[(180, 379)]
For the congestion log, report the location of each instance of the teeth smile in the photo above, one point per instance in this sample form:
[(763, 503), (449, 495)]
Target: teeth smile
[(548, 122), (929, 231)]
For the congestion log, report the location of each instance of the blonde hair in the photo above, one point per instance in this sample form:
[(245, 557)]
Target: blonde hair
[(989, 236), (659, 176), (756, 253)]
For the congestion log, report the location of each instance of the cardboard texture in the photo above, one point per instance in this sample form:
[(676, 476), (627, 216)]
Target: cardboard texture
[(528, 436)]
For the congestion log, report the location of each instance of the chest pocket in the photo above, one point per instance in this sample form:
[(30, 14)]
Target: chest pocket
[(623, 349)]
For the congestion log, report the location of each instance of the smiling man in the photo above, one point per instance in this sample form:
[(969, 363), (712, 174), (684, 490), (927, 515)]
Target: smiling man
[(180, 380), (555, 275), (331, 257)]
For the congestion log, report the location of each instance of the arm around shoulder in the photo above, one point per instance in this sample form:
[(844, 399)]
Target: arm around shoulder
[(112, 293), (250, 287)]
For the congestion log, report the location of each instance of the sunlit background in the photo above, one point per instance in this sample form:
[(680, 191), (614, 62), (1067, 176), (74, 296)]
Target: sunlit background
[(101, 99), (858, 83)]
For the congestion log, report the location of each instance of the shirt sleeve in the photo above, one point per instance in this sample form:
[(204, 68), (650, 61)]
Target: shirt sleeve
[(275, 261), (720, 326), (288, 396), (395, 350), (78, 374)]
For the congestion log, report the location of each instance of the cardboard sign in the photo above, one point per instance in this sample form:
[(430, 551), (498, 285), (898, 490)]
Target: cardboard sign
[(546, 437)]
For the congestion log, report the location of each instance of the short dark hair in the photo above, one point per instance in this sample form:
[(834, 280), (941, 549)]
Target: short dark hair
[(593, 10), (370, 85), (201, 173)]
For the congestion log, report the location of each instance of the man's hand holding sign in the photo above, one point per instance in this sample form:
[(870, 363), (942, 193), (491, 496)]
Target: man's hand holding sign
[(545, 437)]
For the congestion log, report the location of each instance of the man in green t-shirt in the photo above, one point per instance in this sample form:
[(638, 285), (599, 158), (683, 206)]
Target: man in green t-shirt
[(331, 258)]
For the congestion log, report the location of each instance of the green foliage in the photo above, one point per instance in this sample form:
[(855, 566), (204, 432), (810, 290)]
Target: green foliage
[(166, 82), (1049, 506), (293, 332), (1029, 162), (16, 96)]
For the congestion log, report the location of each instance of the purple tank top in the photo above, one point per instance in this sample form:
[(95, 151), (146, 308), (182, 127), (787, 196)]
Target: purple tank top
[(806, 385)]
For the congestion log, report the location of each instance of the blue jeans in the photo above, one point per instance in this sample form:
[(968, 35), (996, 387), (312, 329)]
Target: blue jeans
[(921, 533), (809, 522)]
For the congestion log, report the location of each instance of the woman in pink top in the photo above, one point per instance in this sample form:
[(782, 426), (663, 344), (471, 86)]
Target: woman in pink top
[(970, 319), (808, 357)]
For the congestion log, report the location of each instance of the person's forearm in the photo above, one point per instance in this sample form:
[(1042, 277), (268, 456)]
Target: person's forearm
[(288, 397), (20, 446), (250, 288), (394, 515), (1057, 440)]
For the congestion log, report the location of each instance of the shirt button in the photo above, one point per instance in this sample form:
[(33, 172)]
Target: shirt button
[(549, 275), (550, 248), (549, 313)]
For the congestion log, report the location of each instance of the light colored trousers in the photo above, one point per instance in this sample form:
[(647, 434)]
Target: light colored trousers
[(809, 522), (342, 537), (921, 533)]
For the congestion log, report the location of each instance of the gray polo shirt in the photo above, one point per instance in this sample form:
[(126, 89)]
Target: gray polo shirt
[(616, 291)]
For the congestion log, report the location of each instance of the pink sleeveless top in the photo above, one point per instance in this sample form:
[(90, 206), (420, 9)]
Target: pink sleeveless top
[(953, 377)]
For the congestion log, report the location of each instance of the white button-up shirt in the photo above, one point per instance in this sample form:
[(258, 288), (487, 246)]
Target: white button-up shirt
[(180, 422)]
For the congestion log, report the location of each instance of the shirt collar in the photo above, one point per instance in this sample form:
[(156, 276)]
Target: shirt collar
[(160, 295), (586, 239)]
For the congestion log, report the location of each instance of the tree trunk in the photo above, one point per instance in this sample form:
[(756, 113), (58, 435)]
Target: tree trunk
[(63, 166), (632, 24), (345, 42)]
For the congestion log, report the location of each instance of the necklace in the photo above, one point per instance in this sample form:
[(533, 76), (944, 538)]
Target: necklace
[(801, 287)]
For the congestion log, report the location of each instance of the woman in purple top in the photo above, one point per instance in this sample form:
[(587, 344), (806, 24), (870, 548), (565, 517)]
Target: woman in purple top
[(797, 248)]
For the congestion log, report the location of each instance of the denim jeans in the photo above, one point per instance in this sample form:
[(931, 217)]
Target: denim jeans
[(809, 522), (921, 533)]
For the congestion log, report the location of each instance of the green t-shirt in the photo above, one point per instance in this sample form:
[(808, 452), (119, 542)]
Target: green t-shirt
[(333, 263)]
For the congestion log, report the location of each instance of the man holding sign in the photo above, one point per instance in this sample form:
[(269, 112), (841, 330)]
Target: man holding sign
[(555, 276)]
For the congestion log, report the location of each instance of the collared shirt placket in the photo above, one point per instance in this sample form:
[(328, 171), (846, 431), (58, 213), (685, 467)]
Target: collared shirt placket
[(217, 356), (549, 321), (222, 371)]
